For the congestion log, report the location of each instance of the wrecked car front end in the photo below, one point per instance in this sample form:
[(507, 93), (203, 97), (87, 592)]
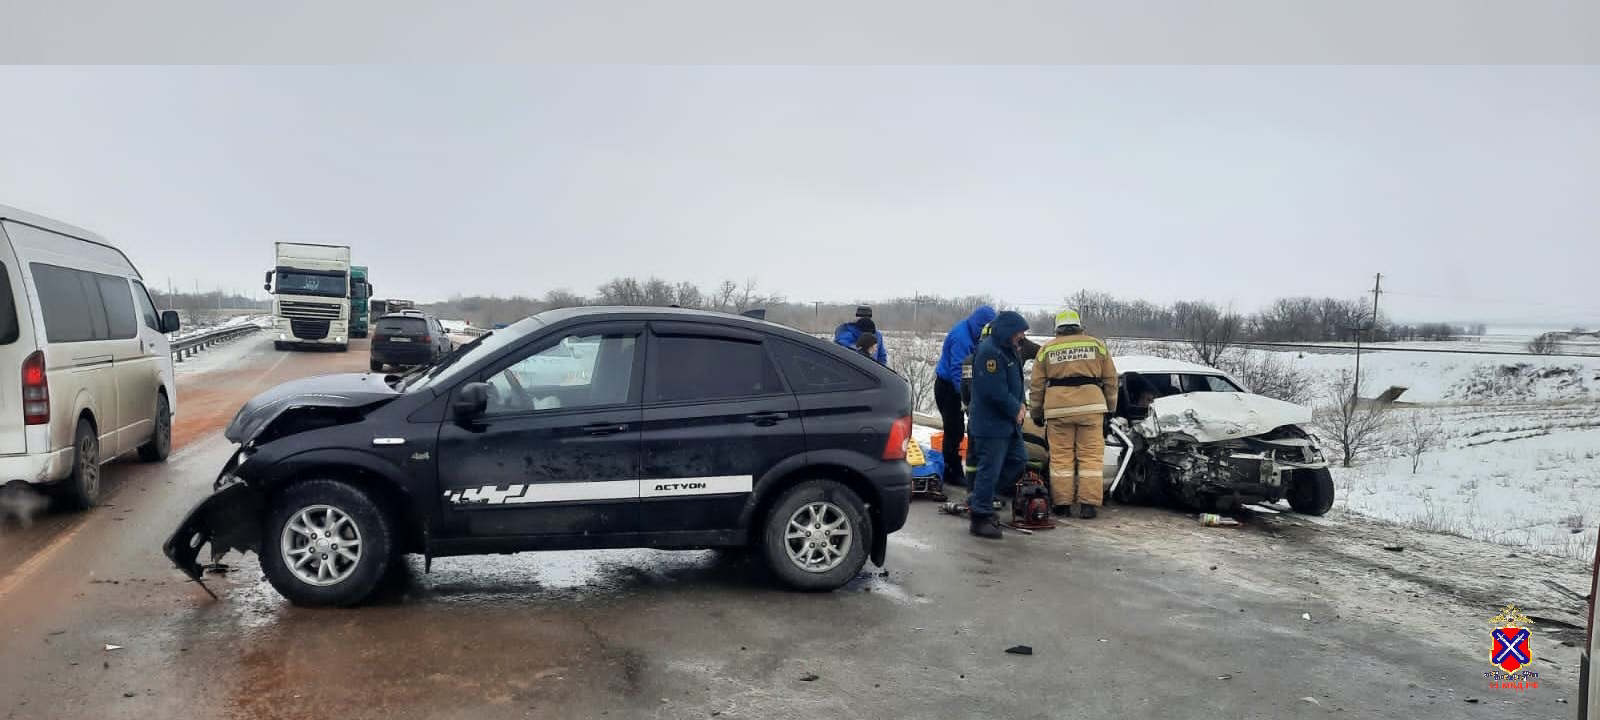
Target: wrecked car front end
[(230, 517), (1216, 450)]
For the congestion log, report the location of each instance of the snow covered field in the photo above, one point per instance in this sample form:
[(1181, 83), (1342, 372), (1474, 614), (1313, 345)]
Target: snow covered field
[(1519, 459)]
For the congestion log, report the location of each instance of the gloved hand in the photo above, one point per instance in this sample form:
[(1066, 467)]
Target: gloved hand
[(1038, 416)]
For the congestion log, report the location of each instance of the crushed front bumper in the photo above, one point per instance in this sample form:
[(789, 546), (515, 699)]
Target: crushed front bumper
[(228, 519)]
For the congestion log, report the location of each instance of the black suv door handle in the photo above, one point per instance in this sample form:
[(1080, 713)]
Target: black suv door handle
[(605, 428), (766, 419)]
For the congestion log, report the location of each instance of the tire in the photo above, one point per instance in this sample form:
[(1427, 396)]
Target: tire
[(1311, 491), (334, 578), (376, 366), (160, 445), (803, 503), (81, 489)]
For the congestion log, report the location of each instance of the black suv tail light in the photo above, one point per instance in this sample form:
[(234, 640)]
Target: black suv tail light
[(899, 435)]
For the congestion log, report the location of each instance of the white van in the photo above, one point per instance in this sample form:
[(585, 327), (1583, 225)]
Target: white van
[(79, 330)]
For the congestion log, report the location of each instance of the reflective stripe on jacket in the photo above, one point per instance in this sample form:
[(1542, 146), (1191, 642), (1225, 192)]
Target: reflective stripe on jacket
[(1086, 378)]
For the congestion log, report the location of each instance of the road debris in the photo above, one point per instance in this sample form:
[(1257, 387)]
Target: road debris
[(1474, 701), (1395, 548), (1215, 520), (110, 647), (809, 677), (1309, 699), (1020, 650), (1305, 616), (1224, 676)]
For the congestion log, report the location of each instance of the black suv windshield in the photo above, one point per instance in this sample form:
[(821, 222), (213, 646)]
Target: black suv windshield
[(467, 355)]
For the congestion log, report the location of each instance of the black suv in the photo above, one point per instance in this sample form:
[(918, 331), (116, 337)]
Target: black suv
[(578, 428), (406, 339)]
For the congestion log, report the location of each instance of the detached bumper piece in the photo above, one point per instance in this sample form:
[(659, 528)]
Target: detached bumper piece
[(227, 520)]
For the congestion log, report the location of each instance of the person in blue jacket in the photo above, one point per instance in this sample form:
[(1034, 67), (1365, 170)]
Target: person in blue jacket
[(848, 334), (958, 345), (999, 404)]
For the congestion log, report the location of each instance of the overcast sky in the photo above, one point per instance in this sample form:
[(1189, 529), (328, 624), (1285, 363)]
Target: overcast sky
[(1472, 189)]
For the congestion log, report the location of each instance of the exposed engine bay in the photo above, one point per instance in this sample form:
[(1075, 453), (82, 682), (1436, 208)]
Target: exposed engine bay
[(1213, 451)]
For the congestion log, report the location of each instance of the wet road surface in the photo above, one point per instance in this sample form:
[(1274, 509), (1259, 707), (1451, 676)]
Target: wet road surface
[(1141, 614)]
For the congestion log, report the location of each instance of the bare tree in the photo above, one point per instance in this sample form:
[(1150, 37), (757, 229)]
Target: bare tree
[(688, 295), (1209, 331), (918, 374), (723, 298), (1422, 432), (621, 291), (1354, 425), (659, 293), (1269, 374), (1546, 344), (562, 298)]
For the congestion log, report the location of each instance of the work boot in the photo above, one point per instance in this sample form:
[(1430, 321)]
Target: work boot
[(1062, 510), (1085, 511), (985, 526)]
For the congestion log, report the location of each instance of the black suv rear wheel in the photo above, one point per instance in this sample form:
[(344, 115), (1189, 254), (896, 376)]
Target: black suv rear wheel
[(325, 543), (816, 535)]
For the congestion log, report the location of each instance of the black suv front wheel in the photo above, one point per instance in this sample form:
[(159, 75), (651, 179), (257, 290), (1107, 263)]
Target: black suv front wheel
[(325, 543), (816, 535)]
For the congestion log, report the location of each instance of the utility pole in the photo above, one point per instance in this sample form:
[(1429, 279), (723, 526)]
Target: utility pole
[(1377, 287), (916, 301), (1355, 384)]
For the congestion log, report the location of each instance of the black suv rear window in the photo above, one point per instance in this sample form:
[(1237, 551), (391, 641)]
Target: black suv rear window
[(706, 368), (402, 326), (810, 371)]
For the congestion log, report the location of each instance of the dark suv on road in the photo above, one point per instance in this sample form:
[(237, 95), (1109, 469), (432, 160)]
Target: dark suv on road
[(406, 339), (578, 428)]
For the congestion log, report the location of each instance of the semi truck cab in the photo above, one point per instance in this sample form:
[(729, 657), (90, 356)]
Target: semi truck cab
[(311, 291)]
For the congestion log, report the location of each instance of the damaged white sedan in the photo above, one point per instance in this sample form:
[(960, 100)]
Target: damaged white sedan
[(1191, 435)]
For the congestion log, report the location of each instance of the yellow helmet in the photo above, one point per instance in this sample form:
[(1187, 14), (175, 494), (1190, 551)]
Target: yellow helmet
[(1068, 316)]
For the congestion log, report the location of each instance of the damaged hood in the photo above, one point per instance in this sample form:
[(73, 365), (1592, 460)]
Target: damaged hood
[(338, 391), (1218, 416)]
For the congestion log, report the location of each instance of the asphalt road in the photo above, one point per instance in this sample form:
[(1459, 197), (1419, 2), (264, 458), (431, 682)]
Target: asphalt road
[(1139, 614)]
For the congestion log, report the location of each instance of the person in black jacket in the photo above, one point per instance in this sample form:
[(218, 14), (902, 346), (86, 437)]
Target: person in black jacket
[(999, 404)]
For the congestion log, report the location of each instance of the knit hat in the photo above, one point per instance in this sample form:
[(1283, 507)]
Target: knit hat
[(863, 311)]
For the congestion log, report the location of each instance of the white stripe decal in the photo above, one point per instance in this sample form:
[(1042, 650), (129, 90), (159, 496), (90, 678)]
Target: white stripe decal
[(524, 494)]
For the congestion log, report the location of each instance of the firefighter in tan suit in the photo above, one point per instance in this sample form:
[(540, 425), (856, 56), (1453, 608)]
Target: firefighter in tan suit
[(1074, 385)]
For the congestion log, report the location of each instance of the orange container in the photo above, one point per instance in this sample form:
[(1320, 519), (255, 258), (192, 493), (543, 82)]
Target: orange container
[(937, 442)]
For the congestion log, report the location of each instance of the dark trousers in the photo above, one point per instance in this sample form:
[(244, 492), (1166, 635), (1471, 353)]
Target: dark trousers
[(1000, 460), (948, 398)]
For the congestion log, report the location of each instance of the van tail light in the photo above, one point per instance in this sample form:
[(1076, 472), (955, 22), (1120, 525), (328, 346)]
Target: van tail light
[(899, 435), (427, 338), (35, 391)]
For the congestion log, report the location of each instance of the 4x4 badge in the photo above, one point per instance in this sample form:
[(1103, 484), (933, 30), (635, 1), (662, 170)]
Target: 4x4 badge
[(420, 456)]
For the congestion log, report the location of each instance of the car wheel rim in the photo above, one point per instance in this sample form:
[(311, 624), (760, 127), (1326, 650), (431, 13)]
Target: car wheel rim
[(89, 465), (818, 537), (321, 545)]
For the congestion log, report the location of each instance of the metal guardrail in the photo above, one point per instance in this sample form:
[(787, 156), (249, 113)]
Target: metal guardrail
[(195, 343)]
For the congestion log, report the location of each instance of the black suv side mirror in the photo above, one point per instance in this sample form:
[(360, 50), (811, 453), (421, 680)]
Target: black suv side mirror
[(470, 400), (169, 321)]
